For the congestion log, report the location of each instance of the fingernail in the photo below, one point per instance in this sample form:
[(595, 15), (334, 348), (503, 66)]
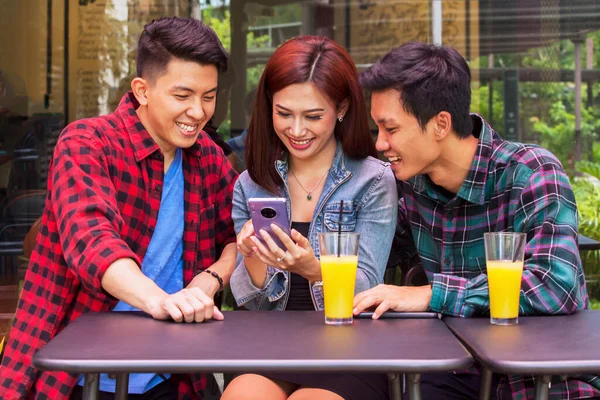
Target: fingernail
[(274, 227), (375, 316), (355, 311)]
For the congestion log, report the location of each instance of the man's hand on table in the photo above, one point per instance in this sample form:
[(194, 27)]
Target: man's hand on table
[(188, 305), (124, 280), (395, 298)]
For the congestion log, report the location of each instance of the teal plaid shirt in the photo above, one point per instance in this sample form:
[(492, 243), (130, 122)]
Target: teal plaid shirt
[(511, 187)]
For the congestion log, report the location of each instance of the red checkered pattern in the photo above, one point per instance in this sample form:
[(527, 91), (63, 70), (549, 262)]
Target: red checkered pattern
[(104, 192)]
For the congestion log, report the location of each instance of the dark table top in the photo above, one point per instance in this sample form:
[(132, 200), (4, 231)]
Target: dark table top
[(252, 341), (545, 345), (586, 243)]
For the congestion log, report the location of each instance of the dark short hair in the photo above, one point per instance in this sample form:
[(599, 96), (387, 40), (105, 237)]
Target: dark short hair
[(430, 79), (328, 66), (183, 38)]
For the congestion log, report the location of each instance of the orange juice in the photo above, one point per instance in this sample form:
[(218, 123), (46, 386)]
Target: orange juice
[(504, 279), (339, 277)]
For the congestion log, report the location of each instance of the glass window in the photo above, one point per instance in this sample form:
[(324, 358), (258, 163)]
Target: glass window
[(522, 56), (535, 67)]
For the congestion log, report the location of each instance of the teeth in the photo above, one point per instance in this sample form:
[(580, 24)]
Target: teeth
[(394, 159), (300, 142), (187, 128)]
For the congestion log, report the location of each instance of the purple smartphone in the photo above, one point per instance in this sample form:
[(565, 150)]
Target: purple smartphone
[(265, 212)]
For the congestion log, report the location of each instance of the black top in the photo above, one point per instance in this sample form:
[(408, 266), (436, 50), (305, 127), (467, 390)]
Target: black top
[(300, 299)]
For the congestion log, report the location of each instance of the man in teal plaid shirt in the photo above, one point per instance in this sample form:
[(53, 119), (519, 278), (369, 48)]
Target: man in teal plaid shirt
[(457, 180)]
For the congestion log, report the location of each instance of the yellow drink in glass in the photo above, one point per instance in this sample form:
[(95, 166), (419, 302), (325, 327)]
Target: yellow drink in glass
[(339, 262), (504, 278), (339, 278), (504, 257)]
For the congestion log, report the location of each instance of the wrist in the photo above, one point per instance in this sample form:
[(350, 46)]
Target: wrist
[(427, 292), (212, 279), (153, 304), (315, 275)]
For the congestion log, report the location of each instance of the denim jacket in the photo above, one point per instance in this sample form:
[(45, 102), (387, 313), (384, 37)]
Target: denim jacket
[(368, 189)]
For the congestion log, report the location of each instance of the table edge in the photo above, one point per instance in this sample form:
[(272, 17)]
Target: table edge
[(189, 366), (540, 367), (528, 367)]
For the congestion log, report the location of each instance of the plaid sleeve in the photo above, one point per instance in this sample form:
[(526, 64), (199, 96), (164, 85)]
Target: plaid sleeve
[(84, 201), (461, 297), (552, 272), (225, 233)]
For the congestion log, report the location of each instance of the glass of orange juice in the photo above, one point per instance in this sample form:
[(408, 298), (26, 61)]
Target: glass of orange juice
[(339, 261), (504, 253)]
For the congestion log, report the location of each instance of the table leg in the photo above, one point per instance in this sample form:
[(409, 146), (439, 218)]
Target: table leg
[(542, 386), (122, 386), (414, 386), (486, 384), (90, 387), (394, 385)]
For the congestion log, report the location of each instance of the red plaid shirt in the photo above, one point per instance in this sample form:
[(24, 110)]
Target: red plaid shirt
[(104, 192)]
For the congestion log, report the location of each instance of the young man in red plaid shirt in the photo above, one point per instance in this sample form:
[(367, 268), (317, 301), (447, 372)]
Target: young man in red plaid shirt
[(139, 204)]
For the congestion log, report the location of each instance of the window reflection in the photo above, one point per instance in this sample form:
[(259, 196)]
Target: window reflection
[(63, 60)]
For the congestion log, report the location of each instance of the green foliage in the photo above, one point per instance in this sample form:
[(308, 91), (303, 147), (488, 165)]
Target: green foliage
[(589, 168), (480, 105), (587, 194), (219, 19), (220, 24), (557, 131)]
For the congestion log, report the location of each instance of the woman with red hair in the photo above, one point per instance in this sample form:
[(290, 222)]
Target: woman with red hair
[(309, 142)]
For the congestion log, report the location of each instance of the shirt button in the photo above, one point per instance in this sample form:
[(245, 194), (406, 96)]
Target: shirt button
[(447, 262), (157, 155), (450, 216), (151, 229), (157, 187)]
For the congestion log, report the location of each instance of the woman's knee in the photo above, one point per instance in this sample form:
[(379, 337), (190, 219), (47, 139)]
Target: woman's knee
[(256, 387), (305, 393)]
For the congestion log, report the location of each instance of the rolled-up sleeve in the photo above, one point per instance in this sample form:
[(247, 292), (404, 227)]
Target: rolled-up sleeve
[(84, 201)]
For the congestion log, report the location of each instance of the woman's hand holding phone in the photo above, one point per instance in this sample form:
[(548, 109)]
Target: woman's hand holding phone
[(297, 257)]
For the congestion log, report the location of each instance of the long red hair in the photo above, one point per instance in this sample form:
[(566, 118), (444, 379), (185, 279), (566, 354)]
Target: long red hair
[(329, 67)]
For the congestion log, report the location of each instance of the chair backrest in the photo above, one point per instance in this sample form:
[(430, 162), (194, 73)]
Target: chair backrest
[(405, 271), (30, 238), (23, 207)]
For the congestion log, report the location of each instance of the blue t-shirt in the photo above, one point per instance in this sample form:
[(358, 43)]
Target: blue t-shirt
[(163, 263)]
